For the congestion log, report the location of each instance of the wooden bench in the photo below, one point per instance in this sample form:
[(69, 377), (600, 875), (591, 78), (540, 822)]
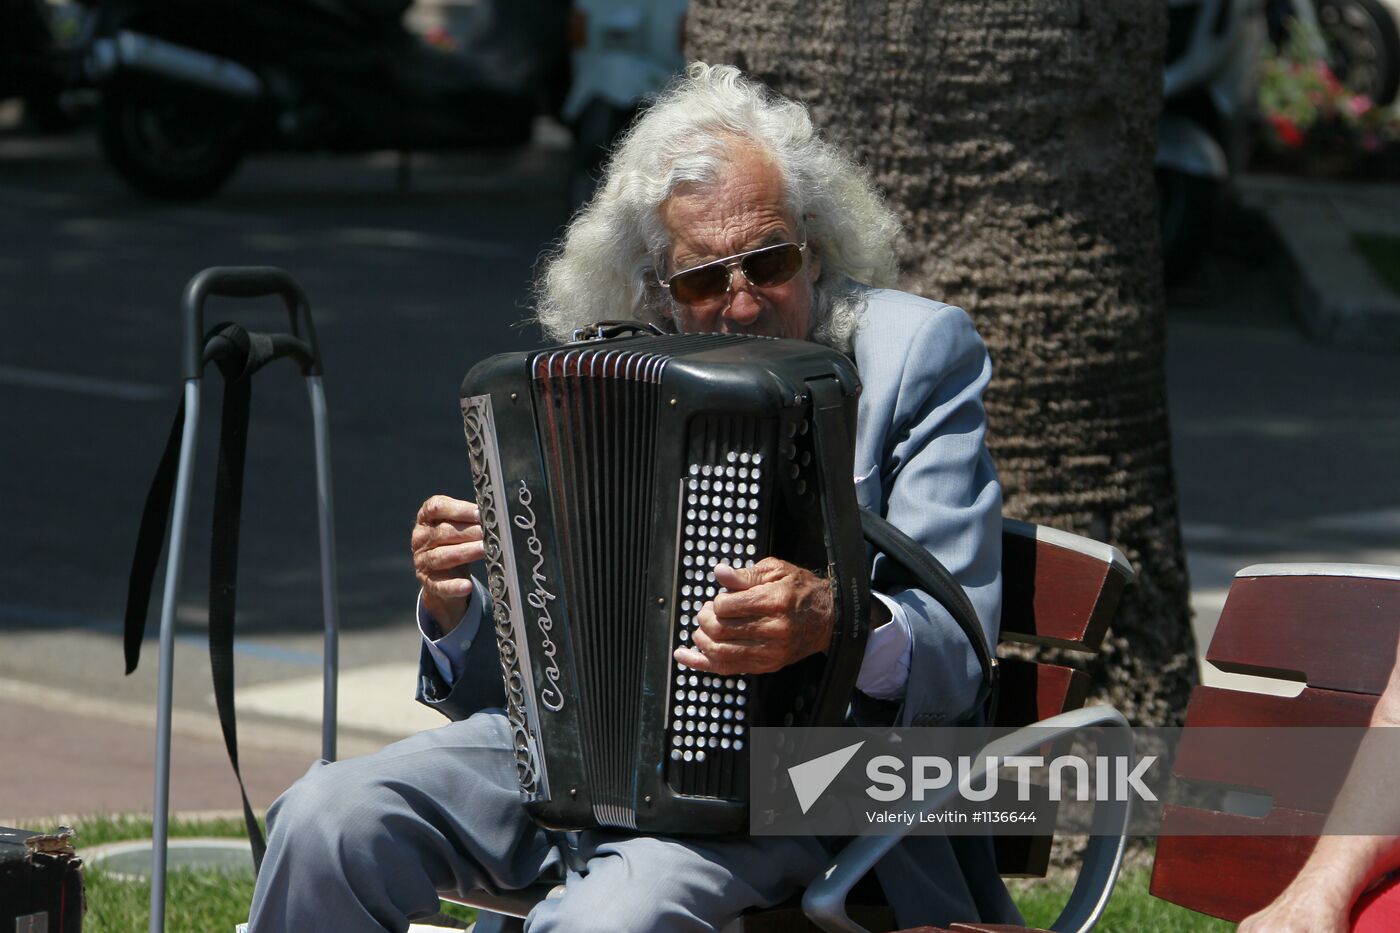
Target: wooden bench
[(1332, 627), (1058, 590)]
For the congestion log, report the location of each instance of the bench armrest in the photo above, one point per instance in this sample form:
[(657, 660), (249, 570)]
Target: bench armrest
[(825, 900)]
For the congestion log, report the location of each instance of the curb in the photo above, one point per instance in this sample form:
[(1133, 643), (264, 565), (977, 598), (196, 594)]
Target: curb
[(1337, 295)]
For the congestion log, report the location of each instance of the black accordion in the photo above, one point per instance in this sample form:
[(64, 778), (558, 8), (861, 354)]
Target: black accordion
[(612, 475)]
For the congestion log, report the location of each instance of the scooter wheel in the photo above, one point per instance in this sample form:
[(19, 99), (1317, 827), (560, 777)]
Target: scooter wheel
[(1363, 42), (168, 141)]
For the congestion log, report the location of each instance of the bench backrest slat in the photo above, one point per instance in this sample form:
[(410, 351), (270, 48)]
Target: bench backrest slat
[(1327, 630), (1058, 590)]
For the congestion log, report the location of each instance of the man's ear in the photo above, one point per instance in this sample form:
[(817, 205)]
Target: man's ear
[(814, 265)]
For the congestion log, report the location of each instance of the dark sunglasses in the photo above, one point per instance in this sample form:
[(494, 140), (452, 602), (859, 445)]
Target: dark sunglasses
[(764, 267)]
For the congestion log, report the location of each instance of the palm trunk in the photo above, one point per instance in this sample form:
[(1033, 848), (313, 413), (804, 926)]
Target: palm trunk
[(1015, 137)]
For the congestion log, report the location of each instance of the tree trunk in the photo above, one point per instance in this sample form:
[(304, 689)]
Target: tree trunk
[(1015, 137)]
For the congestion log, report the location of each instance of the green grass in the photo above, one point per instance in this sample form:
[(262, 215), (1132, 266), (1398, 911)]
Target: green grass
[(212, 902), (1131, 910), (196, 901), (1383, 254)]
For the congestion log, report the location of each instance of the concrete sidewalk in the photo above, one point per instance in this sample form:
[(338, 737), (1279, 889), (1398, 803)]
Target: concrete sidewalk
[(1337, 295)]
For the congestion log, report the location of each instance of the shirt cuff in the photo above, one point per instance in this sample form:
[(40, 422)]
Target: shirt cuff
[(449, 652), (884, 672)]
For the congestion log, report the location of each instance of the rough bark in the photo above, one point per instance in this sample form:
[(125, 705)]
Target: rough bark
[(1015, 138)]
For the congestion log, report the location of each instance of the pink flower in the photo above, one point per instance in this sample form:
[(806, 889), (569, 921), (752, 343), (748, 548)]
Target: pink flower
[(1286, 130), (1358, 104), (1329, 80)]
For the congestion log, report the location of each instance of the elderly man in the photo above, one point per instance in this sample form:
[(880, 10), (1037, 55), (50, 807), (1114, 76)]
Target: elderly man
[(721, 210)]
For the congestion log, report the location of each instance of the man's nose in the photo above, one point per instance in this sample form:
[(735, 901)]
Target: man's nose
[(744, 306)]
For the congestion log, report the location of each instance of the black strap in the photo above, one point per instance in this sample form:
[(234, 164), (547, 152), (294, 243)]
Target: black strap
[(238, 355), (832, 412), (223, 558), (924, 571), (149, 541)]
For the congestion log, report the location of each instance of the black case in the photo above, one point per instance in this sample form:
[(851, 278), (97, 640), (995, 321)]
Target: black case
[(39, 892)]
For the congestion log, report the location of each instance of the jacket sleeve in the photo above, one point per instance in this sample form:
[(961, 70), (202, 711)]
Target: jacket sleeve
[(478, 684), (939, 486)]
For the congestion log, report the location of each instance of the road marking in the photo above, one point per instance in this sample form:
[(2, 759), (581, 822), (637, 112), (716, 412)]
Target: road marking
[(84, 385), (378, 699), (194, 724), (1370, 521), (381, 237), (37, 616)]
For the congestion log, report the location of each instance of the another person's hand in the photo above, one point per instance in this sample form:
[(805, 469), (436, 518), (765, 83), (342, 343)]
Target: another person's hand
[(774, 614), (447, 536), (1308, 905)]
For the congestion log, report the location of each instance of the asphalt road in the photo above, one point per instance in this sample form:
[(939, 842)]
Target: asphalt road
[(1283, 449), (408, 290)]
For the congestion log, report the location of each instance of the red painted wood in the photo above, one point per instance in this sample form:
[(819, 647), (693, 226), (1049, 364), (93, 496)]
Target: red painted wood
[(1031, 692), (1055, 596), (1337, 633), (1050, 596), (1300, 770), (1233, 876), (1214, 706)]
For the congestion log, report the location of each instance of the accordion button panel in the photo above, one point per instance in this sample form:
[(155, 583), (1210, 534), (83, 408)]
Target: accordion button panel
[(719, 524)]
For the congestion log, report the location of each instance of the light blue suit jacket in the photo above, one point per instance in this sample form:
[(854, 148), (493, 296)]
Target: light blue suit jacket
[(922, 462)]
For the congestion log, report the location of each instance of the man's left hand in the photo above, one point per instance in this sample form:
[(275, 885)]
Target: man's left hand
[(774, 614)]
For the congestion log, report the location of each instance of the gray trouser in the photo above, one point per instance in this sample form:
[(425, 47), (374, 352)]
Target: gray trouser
[(366, 844)]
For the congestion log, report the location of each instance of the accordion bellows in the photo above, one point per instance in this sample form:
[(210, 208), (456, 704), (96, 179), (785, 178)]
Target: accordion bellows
[(612, 475)]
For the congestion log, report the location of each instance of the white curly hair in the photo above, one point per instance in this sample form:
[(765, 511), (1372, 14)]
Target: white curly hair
[(605, 266)]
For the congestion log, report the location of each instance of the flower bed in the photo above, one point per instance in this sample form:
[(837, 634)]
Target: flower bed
[(1314, 124)]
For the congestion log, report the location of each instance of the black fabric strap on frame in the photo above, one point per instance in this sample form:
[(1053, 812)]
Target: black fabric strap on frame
[(238, 355)]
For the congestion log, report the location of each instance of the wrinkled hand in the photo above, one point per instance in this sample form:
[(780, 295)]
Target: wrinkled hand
[(774, 614), (447, 536), (1305, 906)]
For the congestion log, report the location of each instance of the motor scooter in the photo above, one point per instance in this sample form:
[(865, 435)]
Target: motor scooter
[(192, 86), (1209, 90)]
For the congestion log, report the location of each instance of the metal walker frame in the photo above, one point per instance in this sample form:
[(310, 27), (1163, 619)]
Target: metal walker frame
[(299, 345)]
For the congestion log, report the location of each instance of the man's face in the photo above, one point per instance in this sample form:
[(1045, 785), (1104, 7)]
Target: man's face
[(743, 211)]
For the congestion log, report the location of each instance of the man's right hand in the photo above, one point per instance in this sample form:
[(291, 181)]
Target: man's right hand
[(447, 536)]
